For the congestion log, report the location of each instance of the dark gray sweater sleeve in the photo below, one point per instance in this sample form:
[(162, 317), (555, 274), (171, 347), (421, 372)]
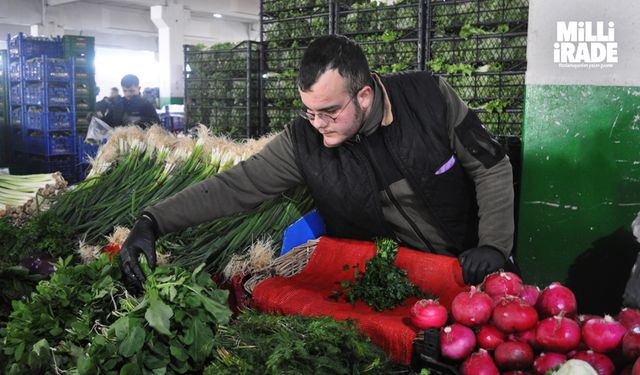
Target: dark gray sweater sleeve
[(263, 176), (494, 185)]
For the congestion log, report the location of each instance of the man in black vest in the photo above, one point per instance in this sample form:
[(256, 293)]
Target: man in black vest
[(397, 156), (132, 108)]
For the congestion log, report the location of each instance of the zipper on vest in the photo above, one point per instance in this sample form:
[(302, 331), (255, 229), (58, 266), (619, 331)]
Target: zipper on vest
[(406, 216)]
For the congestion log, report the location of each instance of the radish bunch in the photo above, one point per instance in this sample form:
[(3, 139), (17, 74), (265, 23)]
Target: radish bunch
[(505, 327)]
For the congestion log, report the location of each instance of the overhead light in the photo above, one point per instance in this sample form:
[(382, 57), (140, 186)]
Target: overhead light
[(217, 15)]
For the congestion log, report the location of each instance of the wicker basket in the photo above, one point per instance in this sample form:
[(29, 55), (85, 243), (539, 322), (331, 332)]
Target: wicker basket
[(291, 263)]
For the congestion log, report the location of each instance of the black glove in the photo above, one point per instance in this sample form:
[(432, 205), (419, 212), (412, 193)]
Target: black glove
[(478, 262), (141, 240)]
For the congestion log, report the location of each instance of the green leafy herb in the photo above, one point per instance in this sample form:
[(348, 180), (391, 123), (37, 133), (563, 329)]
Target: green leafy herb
[(382, 285), (265, 344)]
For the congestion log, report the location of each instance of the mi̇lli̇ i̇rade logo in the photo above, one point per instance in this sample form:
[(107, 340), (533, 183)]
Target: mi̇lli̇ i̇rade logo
[(585, 45)]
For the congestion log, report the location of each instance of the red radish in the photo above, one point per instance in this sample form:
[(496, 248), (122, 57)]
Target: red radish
[(629, 318), (631, 343), (526, 336), (489, 337), (457, 342), (479, 363), (502, 284), (428, 313), (472, 308), (582, 319), (514, 315), (556, 299), (600, 362), (558, 334), (512, 355), (603, 335), (548, 361), (530, 294), (636, 367)]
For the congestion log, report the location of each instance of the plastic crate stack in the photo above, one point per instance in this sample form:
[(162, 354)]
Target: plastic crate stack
[(222, 89), (82, 50), (4, 118), (479, 47), (41, 104), (173, 118), (287, 28), (391, 36)]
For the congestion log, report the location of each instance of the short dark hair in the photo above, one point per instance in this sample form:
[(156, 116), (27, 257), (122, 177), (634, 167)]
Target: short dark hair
[(115, 89), (129, 81), (334, 52)]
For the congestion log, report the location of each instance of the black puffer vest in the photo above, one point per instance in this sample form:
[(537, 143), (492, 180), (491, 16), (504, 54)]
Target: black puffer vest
[(342, 181)]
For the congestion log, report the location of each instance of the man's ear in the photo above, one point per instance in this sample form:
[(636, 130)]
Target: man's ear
[(365, 97)]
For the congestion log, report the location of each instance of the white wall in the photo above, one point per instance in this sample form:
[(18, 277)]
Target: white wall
[(113, 63)]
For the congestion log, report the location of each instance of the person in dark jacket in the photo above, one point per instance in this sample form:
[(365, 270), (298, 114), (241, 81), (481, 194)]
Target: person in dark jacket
[(131, 108), (397, 156)]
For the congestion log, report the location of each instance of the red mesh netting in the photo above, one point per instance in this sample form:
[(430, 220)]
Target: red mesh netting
[(307, 293)]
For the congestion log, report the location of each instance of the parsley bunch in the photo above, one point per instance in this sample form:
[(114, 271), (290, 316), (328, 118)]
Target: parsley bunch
[(382, 285)]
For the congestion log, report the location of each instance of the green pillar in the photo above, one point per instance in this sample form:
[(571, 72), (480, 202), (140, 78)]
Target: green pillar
[(581, 145)]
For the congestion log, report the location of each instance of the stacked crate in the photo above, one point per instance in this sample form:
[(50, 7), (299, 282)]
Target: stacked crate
[(287, 28), (41, 104), (222, 87), (390, 35), (82, 50), (479, 47), (4, 117)]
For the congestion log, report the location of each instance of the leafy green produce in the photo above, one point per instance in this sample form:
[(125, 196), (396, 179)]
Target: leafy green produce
[(170, 330), (15, 283), (382, 285), (50, 328), (264, 344)]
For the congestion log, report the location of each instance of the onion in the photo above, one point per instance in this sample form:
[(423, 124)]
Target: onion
[(582, 319), (514, 315), (629, 318), (631, 343), (530, 294), (428, 313), (525, 336), (512, 355), (558, 334), (575, 367), (472, 308), (556, 299), (600, 362), (489, 337), (548, 361), (502, 284), (479, 363), (603, 335), (457, 342)]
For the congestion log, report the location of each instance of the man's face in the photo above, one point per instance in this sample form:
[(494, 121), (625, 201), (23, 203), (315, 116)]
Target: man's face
[(130, 92), (336, 114), (114, 93)]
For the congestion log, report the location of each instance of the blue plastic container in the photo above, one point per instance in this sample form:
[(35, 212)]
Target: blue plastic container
[(49, 121), (308, 227), (49, 144)]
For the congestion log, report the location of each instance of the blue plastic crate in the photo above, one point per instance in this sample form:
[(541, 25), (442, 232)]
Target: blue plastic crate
[(15, 71), (49, 121), (57, 95), (57, 70), (83, 170), (86, 150), (49, 164), (21, 45), (15, 94), (16, 117), (308, 227), (49, 144)]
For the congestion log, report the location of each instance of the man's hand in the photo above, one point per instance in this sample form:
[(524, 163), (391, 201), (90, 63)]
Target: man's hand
[(141, 240), (478, 262)]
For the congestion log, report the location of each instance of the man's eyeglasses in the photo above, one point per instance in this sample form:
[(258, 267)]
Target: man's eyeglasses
[(323, 116)]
